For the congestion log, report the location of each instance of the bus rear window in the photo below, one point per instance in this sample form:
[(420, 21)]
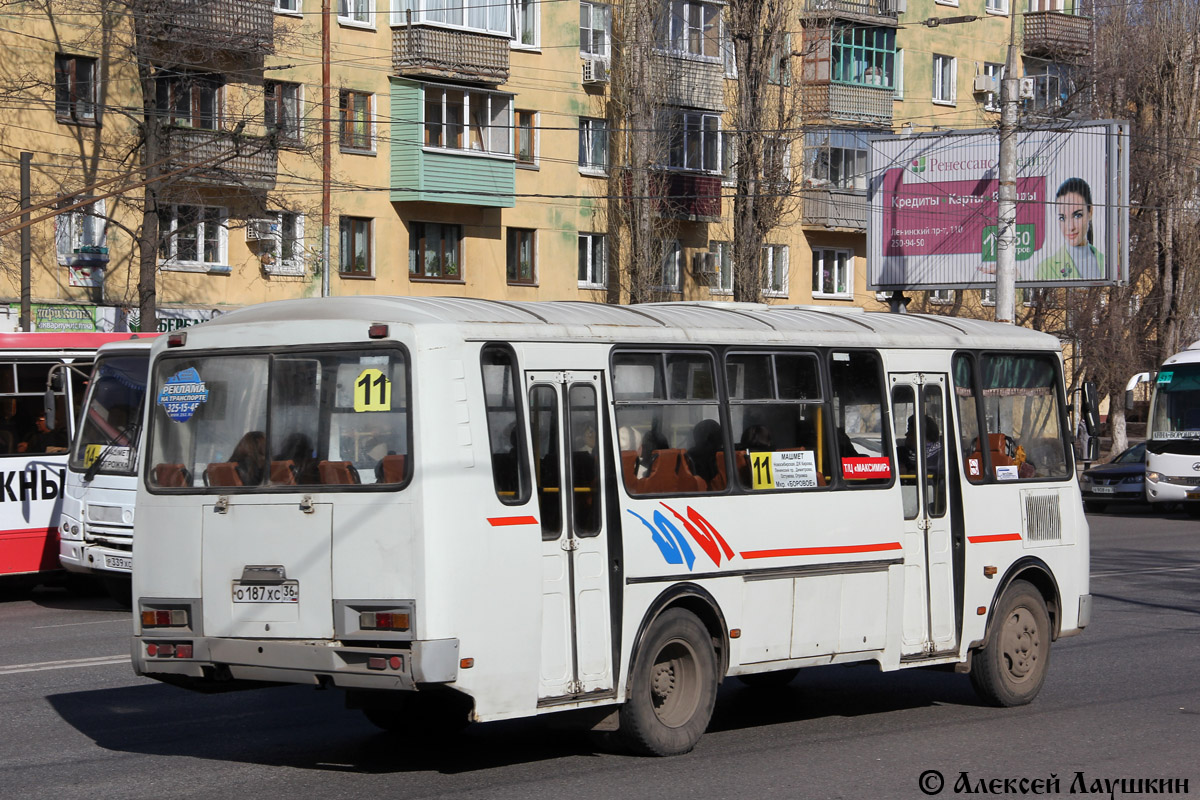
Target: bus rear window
[(239, 422)]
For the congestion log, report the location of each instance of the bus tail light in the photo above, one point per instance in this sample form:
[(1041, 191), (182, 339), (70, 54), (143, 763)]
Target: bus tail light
[(377, 331), (383, 620), (164, 618), (178, 339), (169, 649)]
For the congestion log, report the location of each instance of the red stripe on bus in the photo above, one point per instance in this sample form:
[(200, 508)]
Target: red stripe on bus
[(498, 522), (995, 537), (28, 550), (68, 340), (822, 551)]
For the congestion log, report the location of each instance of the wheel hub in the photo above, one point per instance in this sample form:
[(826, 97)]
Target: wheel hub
[(1022, 643), (663, 683)]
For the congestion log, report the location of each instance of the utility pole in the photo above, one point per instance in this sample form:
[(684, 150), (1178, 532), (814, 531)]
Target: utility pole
[(326, 145), (1006, 239), (26, 249)]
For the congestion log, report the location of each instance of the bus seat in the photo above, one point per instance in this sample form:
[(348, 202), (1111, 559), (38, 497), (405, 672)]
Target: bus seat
[(686, 480), (629, 467), (661, 479), (742, 464), (999, 450), (721, 479), (390, 469), (338, 472), (222, 473), (283, 473), (171, 476)]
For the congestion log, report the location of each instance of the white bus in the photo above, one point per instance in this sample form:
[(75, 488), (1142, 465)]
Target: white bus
[(96, 533), (33, 448), (1173, 433), (530, 508)]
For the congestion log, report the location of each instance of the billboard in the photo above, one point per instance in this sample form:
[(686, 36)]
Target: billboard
[(933, 205)]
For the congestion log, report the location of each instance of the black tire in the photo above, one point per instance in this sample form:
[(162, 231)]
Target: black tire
[(1011, 668), (673, 687), (1094, 506), (769, 680)]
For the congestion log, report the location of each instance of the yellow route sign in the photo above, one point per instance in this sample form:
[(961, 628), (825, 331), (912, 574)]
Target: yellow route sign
[(372, 391)]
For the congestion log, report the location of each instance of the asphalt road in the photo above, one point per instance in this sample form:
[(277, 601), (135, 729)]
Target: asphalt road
[(1122, 701)]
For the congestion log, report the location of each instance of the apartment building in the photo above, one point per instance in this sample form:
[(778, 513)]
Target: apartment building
[(466, 150)]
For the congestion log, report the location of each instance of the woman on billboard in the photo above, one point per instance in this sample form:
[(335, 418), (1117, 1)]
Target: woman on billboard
[(1078, 259)]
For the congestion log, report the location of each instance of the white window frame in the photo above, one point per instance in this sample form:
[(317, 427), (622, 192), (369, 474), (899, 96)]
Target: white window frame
[(497, 15), (987, 297), (358, 13), (587, 129), (844, 163), (947, 3), (999, 7), (694, 126), (898, 75), (775, 270), (939, 89), (86, 226), (991, 100), (298, 263), (598, 273), (670, 266), (172, 262), (729, 56), (605, 52), (291, 8), (728, 156), (941, 297), (499, 138), (724, 253), (517, 11), (679, 28), (819, 257)]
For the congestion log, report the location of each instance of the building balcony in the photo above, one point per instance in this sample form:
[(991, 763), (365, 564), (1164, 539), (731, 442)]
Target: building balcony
[(875, 12), (1056, 36), (223, 26), (684, 196), (838, 104), (838, 209), (222, 159), (692, 83), (446, 54)]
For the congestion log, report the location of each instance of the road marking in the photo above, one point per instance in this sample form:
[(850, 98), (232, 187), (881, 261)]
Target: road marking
[(98, 661), (70, 624), (1146, 571)]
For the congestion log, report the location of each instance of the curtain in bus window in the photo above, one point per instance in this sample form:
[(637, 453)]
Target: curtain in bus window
[(665, 404), (1023, 417), (862, 440), (968, 417)]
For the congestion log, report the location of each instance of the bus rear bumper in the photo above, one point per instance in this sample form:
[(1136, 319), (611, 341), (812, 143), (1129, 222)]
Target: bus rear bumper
[(213, 663)]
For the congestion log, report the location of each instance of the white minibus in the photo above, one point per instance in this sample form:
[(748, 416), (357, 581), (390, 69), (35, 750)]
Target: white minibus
[(1173, 433), (500, 510)]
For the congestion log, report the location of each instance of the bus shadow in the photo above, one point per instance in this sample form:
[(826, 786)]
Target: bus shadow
[(303, 728)]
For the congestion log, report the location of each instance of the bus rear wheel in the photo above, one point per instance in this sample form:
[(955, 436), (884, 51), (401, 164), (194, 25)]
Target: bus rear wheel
[(1011, 668), (673, 687)]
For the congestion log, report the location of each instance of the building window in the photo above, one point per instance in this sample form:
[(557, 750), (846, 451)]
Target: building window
[(593, 145), (1052, 84), (522, 266), (525, 137), (941, 297), (435, 251), (75, 89), (775, 270), (669, 271), (991, 100), (833, 273), (945, 79), (996, 6), (595, 29), (864, 56), (898, 76), (778, 72), (80, 232), (724, 253), (524, 22), (777, 164), (285, 248), (593, 260), (836, 159), (987, 297), (188, 99), (282, 112), (491, 16), (695, 142), (354, 250), (355, 11), (694, 29), (192, 236), (354, 123), (288, 5), (460, 119), (728, 158)]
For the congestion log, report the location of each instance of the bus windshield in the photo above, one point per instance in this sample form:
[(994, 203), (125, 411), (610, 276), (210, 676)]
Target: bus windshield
[(1175, 410), (113, 415), (263, 421)]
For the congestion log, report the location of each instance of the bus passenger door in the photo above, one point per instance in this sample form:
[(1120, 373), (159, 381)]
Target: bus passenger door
[(576, 658), (920, 419)]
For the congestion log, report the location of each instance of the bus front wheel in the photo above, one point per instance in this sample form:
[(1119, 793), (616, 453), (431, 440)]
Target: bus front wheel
[(673, 687), (1010, 669)]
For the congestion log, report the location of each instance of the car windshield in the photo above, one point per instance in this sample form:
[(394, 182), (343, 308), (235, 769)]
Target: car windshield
[(1134, 455)]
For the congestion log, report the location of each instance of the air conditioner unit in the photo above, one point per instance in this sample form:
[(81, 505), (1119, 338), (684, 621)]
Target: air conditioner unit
[(595, 71), (987, 83), (1026, 89), (704, 267), (259, 229)]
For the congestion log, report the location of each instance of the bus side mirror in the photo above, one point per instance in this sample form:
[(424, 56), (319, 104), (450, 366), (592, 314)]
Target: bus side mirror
[(50, 406), (1091, 452), (1090, 408), (1129, 399)]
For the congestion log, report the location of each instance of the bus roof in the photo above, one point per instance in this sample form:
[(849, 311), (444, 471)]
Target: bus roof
[(681, 322), (61, 341)]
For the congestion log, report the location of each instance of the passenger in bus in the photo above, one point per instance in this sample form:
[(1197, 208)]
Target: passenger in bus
[(43, 439), (756, 439), (707, 441), (298, 449), (250, 456), (933, 446), (651, 442)]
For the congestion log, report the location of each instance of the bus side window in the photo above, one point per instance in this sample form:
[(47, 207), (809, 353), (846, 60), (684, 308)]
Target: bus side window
[(858, 416), (506, 426), (968, 416)]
